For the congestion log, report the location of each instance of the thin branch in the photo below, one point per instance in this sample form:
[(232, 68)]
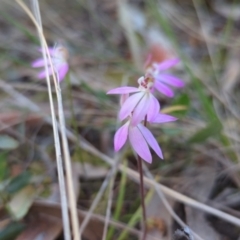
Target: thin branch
[(144, 218), (151, 183)]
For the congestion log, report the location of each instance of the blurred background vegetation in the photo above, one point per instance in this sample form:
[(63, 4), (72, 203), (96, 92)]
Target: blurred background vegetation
[(108, 42)]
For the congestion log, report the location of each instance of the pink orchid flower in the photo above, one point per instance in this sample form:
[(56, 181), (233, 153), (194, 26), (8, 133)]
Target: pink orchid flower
[(163, 80), (59, 57), (140, 104), (140, 137)]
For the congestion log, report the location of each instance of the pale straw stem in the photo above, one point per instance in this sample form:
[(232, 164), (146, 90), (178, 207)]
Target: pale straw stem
[(62, 187), (72, 206), (71, 193)]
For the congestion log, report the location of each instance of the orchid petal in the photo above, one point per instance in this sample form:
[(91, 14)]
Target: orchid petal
[(161, 87), (153, 109), (171, 80), (120, 136), (38, 63), (43, 73), (123, 98), (129, 105), (163, 118), (150, 140), (168, 64), (123, 90), (50, 49), (62, 71), (141, 109), (139, 144)]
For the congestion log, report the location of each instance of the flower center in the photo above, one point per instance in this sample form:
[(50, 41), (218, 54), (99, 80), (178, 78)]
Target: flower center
[(146, 82), (60, 54)]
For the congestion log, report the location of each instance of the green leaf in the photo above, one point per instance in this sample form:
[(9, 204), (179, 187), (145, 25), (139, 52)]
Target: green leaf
[(205, 100), (11, 231), (172, 131), (120, 201), (21, 202), (3, 166), (8, 143), (182, 100), (18, 182), (212, 129)]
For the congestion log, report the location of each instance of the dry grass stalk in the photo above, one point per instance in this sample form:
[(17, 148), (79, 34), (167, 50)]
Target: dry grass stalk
[(64, 203), (70, 184), (72, 201)]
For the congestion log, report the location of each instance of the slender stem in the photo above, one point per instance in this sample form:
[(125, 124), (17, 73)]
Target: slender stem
[(62, 187), (140, 169), (139, 160), (67, 158)]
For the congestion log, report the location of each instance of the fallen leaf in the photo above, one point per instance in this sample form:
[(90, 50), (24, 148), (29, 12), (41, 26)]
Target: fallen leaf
[(8, 143), (43, 226), (11, 231), (93, 230), (21, 202)]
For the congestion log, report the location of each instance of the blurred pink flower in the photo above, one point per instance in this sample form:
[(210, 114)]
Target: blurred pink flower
[(163, 80), (140, 104), (59, 56), (140, 137)]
